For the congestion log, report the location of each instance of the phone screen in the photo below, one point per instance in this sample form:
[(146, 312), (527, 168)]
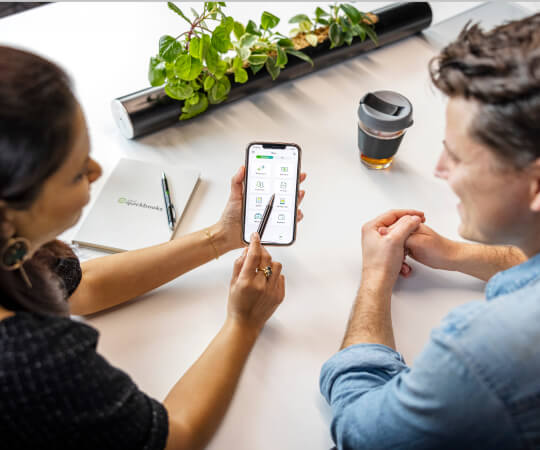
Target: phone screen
[(271, 169)]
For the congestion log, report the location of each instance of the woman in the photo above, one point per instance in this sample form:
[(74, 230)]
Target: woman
[(57, 392)]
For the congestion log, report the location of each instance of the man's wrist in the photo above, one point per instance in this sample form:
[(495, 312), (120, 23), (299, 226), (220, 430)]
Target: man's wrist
[(378, 283), (459, 254)]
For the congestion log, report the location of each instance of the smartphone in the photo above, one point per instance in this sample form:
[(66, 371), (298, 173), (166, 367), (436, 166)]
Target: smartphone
[(271, 168)]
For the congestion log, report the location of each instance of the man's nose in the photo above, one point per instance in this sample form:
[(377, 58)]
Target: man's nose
[(441, 169)]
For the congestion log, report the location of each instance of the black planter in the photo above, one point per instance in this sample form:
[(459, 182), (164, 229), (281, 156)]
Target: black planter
[(150, 109)]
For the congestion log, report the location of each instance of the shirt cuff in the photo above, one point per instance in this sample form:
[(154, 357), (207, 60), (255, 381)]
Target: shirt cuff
[(370, 365)]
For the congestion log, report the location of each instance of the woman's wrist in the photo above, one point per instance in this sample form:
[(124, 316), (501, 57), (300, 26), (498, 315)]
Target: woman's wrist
[(219, 239), (249, 332)]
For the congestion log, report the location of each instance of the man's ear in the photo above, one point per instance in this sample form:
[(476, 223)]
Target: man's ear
[(535, 186)]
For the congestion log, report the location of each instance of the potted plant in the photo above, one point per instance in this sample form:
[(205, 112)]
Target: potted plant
[(219, 60)]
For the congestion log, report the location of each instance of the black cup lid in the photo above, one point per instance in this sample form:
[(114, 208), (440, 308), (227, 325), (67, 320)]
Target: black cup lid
[(385, 111)]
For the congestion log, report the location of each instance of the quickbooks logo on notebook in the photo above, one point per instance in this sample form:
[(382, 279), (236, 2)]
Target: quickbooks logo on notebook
[(127, 202)]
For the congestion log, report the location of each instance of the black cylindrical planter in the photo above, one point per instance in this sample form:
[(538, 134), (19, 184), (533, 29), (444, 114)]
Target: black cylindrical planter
[(150, 109)]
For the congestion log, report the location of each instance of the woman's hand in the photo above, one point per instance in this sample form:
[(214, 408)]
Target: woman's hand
[(383, 245), (231, 219), (253, 298)]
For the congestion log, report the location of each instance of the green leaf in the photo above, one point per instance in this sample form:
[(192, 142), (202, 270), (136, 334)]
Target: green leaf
[(178, 91), (193, 100), (299, 18), (156, 72), (195, 85), (358, 30), (220, 70), (219, 91), (252, 28), (348, 37), (206, 43), (256, 67), (208, 83), (372, 35), (228, 23), (247, 40), (212, 59), (240, 75), (237, 63), (334, 35), (272, 68), (188, 68), (352, 12), (196, 48), (177, 10), (268, 20), (243, 53), (312, 39), (300, 55), (169, 48), (220, 39), (169, 70), (238, 30), (319, 12), (305, 26), (191, 109), (294, 32), (257, 59), (323, 21), (281, 57), (286, 43)]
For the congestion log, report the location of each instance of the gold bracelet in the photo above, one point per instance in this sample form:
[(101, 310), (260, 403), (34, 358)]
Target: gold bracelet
[(211, 242)]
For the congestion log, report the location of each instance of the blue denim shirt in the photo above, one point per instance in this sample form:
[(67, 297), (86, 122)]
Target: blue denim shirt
[(475, 385)]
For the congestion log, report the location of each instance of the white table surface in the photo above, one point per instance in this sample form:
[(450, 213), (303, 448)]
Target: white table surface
[(105, 47)]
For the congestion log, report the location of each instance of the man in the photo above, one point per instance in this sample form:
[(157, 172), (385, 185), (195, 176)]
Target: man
[(477, 382)]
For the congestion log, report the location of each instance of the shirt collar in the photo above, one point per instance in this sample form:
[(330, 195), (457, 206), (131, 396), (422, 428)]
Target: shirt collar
[(513, 279)]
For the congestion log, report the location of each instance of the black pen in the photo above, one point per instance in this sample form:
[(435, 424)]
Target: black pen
[(169, 207), (266, 215)]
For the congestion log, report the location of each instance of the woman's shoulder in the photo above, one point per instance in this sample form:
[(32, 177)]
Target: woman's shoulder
[(26, 336)]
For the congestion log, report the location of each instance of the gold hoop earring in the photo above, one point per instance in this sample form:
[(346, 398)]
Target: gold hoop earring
[(13, 256)]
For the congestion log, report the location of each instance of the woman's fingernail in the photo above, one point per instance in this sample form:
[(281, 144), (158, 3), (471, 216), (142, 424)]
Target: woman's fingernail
[(255, 236)]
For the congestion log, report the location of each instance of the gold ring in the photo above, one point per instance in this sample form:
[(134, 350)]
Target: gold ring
[(267, 271)]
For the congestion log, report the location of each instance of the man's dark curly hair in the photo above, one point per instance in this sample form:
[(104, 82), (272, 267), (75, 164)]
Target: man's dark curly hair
[(500, 70)]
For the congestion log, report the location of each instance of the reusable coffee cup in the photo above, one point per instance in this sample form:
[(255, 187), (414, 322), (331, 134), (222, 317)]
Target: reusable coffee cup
[(383, 117)]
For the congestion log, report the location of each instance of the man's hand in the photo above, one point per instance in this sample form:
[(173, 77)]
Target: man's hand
[(383, 245), (478, 260), (429, 248), (383, 255)]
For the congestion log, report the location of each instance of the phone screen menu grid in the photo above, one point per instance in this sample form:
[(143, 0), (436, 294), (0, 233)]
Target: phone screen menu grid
[(271, 171)]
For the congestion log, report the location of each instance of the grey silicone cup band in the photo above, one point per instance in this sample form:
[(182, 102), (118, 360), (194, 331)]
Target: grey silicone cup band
[(377, 148)]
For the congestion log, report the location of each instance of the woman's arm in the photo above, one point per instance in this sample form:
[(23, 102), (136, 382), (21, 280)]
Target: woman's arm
[(198, 402), (114, 279)]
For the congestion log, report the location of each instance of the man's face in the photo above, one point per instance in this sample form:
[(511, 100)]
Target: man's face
[(494, 197)]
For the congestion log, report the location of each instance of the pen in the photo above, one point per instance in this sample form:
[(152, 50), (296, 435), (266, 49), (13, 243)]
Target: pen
[(266, 215), (169, 207)]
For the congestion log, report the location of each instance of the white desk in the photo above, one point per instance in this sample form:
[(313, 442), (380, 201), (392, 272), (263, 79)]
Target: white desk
[(105, 47)]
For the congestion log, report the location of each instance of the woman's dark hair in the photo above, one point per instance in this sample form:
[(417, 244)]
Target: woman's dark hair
[(500, 70), (37, 110)]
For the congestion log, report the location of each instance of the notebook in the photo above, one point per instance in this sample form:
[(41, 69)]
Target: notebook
[(130, 210)]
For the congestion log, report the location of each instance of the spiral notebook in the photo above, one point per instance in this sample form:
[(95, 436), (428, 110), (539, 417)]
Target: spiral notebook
[(129, 212)]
